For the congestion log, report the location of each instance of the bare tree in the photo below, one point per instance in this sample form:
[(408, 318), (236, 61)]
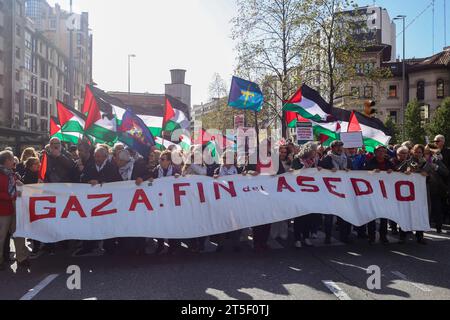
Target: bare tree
[(268, 39), (217, 87), (334, 52)]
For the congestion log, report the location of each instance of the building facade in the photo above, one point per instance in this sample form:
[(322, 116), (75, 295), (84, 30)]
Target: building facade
[(427, 80), (34, 71)]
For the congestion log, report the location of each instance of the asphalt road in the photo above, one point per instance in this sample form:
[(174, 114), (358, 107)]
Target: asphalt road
[(409, 271)]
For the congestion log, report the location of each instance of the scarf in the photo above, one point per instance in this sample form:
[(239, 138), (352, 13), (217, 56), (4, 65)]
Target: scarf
[(127, 170), (102, 166), (309, 163), (227, 172), (169, 172), (11, 180), (339, 161)]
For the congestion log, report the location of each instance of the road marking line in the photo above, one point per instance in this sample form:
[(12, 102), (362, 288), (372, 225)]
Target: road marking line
[(414, 284), (336, 290), (41, 285), (93, 298)]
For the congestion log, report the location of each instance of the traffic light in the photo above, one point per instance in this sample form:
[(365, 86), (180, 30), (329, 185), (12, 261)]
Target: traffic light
[(369, 111)]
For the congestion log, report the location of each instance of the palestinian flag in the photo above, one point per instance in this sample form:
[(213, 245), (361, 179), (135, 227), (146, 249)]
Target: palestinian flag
[(174, 118), (55, 132), (185, 142), (374, 131), (100, 121), (71, 122), (309, 104)]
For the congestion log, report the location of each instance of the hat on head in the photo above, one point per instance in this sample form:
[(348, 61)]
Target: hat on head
[(380, 147)]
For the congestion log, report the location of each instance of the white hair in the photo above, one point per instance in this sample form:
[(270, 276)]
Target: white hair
[(5, 155), (101, 150), (307, 149), (439, 137), (124, 155), (402, 149)]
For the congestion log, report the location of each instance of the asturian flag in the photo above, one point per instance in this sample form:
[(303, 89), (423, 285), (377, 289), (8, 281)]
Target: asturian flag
[(245, 95)]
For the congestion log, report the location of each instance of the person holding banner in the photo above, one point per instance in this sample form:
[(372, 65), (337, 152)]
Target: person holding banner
[(191, 168), (100, 171), (416, 164), (8, 195), (228, 169), (306, 225), (166, 169), (378, 164), (131, 169), (336, 160)]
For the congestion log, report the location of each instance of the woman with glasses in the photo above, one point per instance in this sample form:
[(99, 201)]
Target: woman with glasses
[(163, 170)]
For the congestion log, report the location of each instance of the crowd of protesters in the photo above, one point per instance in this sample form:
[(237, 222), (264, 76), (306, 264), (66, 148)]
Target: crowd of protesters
[(101, 164)]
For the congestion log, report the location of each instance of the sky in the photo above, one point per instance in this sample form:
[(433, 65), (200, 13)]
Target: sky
[(195, 35)]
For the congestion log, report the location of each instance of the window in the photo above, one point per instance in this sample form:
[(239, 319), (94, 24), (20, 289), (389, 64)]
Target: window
[(355, 92), (393, 91), (18, 33), (27, 105), (17, 52), (79, 39), (33, 124), (1, 55), (44, 89), (44, 69), (28, 62), (368, 92), (1, 79), (34, 105), (34, 64), (44, 126), (394, 116), (421, 90), (53, 23), (28, 41), (17, 75), (44, 108), (34, 85), (440, 89), (1, 103)]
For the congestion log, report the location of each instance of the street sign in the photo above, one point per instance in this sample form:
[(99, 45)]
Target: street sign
[(239, 121), (305, 132)]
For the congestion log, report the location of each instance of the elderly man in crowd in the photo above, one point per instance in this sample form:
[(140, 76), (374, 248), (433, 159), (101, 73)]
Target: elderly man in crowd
[(336, 160), (100, 171)]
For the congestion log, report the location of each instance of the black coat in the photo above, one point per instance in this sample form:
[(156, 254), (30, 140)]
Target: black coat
[(109, 173), (373, 164), (140, 170), (327, 163), (61, 170), (30, 177)]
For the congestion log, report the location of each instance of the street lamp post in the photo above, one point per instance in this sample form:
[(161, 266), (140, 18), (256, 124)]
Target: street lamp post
[(129, 71), (405, 87)]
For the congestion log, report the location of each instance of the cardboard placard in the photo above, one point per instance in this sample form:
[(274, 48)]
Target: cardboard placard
[(352, 139)]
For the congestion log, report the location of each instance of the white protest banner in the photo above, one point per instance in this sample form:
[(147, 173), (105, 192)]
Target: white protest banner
[(198, 206), (352, 139)]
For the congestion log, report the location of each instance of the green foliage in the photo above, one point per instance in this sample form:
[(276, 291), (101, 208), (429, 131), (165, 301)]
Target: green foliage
[(413, 127), (440, 123), (393, 130)]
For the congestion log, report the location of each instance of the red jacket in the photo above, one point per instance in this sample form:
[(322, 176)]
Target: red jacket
[(6, 201)]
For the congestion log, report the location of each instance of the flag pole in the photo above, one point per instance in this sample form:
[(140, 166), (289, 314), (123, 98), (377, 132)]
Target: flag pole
[(257, 132)]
